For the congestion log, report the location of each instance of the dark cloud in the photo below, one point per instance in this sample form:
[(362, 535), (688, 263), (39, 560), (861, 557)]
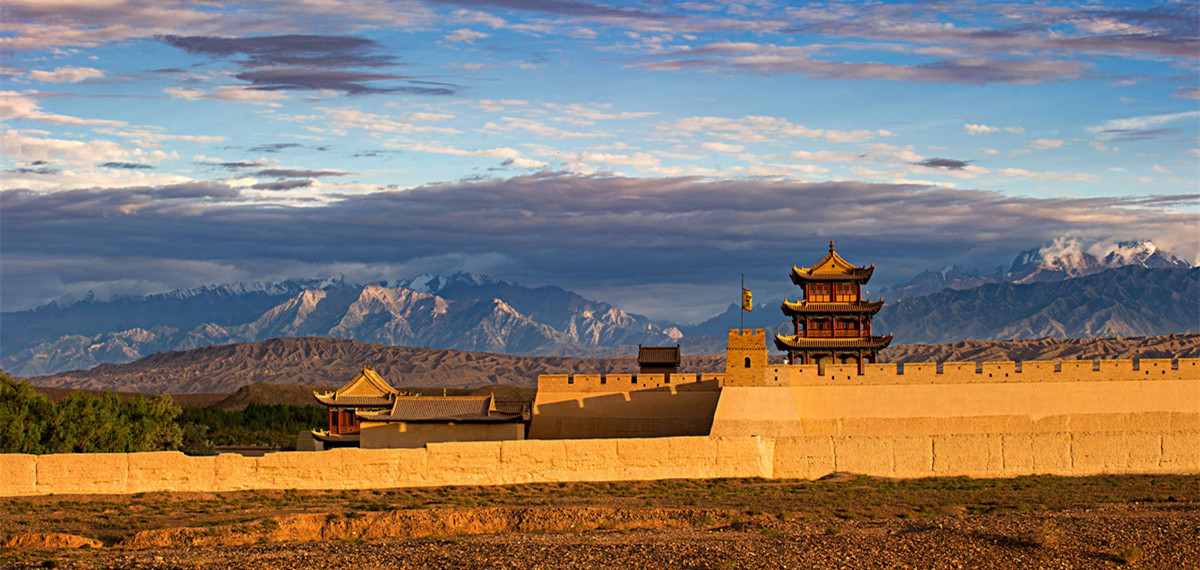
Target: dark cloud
[(235, 165), (37, 170), (947, 163), (288, 173), (1128, 135), (351, 82), (283, 184), (274, 147), (288, 50), (126, 165), (573, 231), (309, 62)]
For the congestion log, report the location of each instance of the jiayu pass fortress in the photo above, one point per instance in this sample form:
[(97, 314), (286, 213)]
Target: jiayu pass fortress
[(830, 408)]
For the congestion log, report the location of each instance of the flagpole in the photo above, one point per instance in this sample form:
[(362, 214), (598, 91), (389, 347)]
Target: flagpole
[(742, 305)]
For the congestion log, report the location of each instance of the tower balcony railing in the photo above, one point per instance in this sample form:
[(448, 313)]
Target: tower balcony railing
[(826, 333)]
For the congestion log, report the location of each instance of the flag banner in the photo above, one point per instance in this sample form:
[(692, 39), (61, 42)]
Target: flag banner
[(747, 300)]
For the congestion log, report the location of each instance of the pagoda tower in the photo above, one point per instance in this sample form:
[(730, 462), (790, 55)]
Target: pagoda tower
[(832, 324)]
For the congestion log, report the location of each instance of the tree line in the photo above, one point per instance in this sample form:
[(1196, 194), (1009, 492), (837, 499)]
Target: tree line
[(89, 422)]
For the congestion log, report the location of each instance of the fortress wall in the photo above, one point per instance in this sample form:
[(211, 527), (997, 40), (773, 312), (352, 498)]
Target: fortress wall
[(438, 464), (585, 406), (526, 461), (971, 372)]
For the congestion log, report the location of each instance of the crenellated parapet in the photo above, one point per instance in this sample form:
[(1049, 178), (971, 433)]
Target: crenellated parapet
[(606, 383), (983, 372)]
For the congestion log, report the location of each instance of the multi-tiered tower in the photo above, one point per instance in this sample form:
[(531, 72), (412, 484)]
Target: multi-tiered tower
[(832, 324)]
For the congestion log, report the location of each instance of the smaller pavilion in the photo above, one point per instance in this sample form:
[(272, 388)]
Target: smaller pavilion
[(366, 392)]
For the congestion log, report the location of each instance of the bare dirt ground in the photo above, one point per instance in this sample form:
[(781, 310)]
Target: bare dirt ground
[(1146, 521)]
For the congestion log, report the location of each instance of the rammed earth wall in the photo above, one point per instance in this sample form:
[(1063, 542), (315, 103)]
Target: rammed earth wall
[(525, 461), (986, 420)]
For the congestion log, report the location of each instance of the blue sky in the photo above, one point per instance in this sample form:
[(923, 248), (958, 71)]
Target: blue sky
[(643, 153)]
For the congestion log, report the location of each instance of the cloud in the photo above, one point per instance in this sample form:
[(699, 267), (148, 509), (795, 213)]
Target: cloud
[(498, 105), (464, 36), (945, 163), (751, 57), (21, 146), (307, 62), (284, 184), (66, 75), (980, 129), (127, 165), (1141, 128), (233, 93), (274, 147), (758, 129), (721, 147), (598, 232), (291, 173), (22, 106), (1043, 144)]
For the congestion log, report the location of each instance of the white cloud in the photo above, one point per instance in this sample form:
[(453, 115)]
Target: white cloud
[(1043, 144), (497, 105), (464, 36), (15, 105), (20, 146), (502, 152), (755, 129), (1143, 122), (66, 74), (538, 128), (232, 93), (721, 147)]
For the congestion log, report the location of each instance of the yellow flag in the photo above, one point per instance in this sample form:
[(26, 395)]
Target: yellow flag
[(747, 300)]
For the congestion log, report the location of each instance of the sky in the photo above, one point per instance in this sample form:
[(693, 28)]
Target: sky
[(647, 154)]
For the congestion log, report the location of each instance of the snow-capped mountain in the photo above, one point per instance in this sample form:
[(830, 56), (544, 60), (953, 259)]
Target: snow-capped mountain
[(1065, 258), (460, 311), (1068, 258)]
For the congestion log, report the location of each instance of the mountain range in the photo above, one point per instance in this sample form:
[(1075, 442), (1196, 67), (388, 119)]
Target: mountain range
[(332, 361), (1056, 293), (1065, 258)]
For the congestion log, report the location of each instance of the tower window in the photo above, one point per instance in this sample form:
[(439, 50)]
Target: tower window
[(747, 362)]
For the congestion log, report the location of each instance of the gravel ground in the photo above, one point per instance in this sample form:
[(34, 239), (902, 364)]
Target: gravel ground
[(1125, 525)]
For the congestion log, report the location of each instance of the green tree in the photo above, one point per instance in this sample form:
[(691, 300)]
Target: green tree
[(25, 416)]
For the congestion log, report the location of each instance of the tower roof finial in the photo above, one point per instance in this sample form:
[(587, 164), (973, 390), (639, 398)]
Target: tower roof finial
[(830, 246)]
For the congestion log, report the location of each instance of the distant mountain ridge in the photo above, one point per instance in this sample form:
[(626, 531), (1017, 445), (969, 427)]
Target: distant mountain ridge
[(1065, 258), (1039, 298), (469, 313), (1130, 301), (333, 361)]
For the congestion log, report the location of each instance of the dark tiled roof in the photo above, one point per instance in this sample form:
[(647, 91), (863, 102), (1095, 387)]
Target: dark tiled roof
[(444, 409), (658, 355), (799, 342), (805, 307), (339, 400)]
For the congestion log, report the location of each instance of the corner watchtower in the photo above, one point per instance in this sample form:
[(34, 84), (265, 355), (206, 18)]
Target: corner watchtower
[(746, 357)]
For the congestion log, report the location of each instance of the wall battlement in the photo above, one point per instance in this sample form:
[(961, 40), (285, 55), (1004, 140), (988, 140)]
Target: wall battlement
[(627, 382), (1147, 369)]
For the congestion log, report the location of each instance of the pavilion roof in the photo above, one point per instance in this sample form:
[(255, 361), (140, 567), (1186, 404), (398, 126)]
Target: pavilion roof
[(367, 388), (799, 343), (658, 355), (440, 409), (790, 308), (832, 268)]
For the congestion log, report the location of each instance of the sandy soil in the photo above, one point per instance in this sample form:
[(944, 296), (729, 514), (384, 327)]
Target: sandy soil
[(840, 522)]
